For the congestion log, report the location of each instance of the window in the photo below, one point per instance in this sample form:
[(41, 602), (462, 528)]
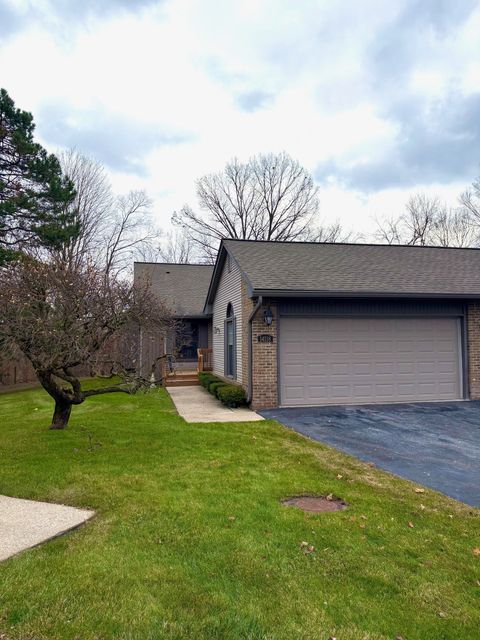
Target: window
[(230, 352)]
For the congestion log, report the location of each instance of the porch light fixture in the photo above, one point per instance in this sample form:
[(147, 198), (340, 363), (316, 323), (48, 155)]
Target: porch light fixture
[(268, 316)]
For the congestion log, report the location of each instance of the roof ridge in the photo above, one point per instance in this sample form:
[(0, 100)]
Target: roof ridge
[(175, 264), (349, 244)]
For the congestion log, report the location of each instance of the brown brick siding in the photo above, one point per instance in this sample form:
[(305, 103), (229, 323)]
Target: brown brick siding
[(473, 327), (264, 354)]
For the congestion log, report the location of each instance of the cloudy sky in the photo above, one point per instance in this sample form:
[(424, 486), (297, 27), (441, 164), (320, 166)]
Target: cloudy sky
[(377, 99)]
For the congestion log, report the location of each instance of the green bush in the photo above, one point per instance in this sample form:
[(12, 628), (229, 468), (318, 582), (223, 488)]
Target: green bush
[(206, 378), (215, 386), (232, 395)]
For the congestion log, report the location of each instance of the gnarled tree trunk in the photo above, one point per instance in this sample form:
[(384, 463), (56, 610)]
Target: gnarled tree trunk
[(64, 399), (61, 415)]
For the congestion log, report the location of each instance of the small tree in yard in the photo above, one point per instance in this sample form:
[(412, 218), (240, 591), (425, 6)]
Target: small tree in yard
[(61, 317)]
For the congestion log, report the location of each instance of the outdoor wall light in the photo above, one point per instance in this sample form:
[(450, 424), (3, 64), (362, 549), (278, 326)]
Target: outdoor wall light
[(268, 316)]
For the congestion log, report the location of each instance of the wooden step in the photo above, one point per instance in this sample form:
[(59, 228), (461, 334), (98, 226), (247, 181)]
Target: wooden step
[(182, 381)]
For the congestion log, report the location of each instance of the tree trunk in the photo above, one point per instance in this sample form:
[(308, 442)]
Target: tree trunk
[(61, 415)]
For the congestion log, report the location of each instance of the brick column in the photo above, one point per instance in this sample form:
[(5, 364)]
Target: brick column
[(265, 394), (264, 354), (473, 342)]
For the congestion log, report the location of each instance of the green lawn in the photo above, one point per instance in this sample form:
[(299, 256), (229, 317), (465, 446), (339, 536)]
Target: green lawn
[(190, 540)]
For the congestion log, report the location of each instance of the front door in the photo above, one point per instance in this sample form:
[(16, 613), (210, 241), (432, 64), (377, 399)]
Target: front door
[(187, 341)]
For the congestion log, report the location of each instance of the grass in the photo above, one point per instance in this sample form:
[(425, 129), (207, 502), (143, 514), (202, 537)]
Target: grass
[(190, 540)]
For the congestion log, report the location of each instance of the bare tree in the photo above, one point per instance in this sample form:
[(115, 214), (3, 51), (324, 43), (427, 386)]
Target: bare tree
[(175, 247), (470, 200), (389, 231), (333, 232), (61, 317), (111, 228), (419, 218), (91, 209), (455, 228), (270, 197), (130, 229), (427, 221)]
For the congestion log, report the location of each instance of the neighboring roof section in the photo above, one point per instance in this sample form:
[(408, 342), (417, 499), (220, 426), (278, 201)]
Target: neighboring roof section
[(355, 269), (183, 286)]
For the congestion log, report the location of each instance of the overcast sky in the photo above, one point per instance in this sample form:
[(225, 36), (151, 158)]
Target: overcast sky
[(377, 99)]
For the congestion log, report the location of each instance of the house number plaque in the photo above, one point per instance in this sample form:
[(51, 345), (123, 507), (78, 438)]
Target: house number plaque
[(265, 337)]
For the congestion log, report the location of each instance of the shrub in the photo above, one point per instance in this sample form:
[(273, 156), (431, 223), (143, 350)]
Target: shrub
[(215, 386), (232, 395), (206, 378)]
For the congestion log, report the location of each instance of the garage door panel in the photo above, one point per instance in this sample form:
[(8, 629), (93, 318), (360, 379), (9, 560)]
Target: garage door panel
[(317, 369), (405, 368), (295, 369), (362, 368), (294, 393), (338, 360)]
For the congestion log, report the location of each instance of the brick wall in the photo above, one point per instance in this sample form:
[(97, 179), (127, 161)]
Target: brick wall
[(264, 354), (473, 325)]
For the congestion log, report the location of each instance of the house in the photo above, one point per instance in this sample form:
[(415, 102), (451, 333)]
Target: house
[(183, 287), (302, 324)]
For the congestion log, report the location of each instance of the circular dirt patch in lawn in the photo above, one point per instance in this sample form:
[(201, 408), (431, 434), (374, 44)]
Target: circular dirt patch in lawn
[(316, 504)]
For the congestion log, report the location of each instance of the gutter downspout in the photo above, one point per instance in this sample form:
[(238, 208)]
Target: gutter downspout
[(250, 348)]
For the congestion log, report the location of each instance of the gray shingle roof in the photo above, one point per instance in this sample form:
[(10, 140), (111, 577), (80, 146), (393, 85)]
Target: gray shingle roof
[(183, 286), (357, 269)]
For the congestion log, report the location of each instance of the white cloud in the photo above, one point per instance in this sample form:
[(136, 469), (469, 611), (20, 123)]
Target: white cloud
[(325, 81)]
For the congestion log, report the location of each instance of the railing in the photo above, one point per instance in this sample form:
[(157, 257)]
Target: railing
[(166, 366), (205, 359)]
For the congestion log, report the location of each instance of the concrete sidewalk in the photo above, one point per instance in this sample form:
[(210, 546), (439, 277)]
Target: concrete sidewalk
[(195, 404), (27, 523)]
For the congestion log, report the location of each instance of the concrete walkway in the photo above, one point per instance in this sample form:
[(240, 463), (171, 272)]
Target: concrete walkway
[(195, 404), (27, 523)]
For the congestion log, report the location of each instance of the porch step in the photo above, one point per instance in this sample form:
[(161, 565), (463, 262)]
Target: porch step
[(182, 380)]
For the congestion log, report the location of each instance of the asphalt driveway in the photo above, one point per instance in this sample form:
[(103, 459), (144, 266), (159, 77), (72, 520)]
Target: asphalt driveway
[(434, 444)]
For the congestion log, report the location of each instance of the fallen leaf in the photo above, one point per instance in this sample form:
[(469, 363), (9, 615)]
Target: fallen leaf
[(329, 497), (476, 551), (398, 638), (411, 525), (422, 506), (339, 476), (362, 526), (419, 490), (363, 517), (232, 518), (441, 614)]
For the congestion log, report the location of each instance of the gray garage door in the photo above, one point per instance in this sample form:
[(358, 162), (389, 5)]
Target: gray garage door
[(350, 360)]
